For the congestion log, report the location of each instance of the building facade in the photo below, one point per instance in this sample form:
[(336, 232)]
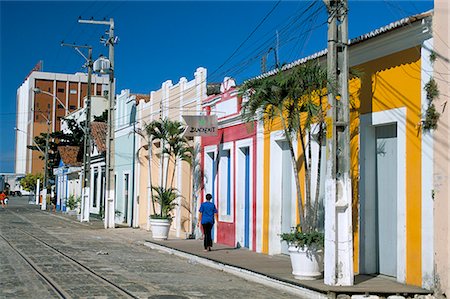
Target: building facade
[(391, 161), (126, 163), (229, 168), (67, 176), (172, 101), (441, 150), (33, 109), (97, 188)]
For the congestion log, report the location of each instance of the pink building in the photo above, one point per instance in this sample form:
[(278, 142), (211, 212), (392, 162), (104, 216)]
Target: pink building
[(228, 163)]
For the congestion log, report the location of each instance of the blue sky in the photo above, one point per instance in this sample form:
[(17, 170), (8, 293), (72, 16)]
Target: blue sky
[(162, 41)]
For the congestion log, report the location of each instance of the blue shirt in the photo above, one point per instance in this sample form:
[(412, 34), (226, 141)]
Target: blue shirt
[(208, 209)]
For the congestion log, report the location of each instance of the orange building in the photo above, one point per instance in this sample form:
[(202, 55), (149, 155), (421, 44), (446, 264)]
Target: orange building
[(47, 96)]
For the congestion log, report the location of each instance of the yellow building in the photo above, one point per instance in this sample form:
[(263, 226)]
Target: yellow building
[(392, 157)]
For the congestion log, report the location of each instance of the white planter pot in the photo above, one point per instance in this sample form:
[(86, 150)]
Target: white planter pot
[(307, 263), (160, 228), (72, 212)]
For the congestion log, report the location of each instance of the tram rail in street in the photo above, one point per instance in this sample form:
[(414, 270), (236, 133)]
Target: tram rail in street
[(16, 233)]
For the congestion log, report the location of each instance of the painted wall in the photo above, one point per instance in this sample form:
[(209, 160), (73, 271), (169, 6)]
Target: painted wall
[(228, 161), (391, 93), (67, 184), (125, 159), (233, 139), (97, 188), (441, 175), (389, 90), (171, 101)]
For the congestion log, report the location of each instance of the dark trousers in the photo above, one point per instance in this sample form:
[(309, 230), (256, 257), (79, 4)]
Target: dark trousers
[(207, 241)]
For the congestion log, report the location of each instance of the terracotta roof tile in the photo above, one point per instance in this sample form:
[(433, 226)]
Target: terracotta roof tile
[(98, 131), (140, 96), (71, 155)]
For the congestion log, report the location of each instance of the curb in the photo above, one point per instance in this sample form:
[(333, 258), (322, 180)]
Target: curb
[(243, 273)]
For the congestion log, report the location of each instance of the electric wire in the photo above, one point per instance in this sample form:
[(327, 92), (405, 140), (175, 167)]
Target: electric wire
[(299, 16), (250, 35), (263, 47), (249, 60), (176, 99), (409, 24)]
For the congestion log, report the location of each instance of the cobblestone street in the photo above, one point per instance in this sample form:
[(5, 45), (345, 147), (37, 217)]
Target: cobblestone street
[(48, 255)]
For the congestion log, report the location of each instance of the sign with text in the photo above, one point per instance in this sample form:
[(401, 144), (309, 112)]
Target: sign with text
[(200, 125)]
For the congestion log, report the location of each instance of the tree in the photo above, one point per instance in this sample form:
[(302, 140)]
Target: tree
[(173, 145), (148, 134), (178, 147), (294, 98), (28, 182), (103, 118), (74, 137)]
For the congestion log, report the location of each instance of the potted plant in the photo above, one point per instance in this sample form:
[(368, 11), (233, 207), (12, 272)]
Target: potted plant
[(295, 100), (306, 252), (73, 204), (166, 200), (174, 147)]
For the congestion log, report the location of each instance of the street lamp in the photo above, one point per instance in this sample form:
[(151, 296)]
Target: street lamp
[(38, 90), (46, 181), (39, 149), (44, 202)]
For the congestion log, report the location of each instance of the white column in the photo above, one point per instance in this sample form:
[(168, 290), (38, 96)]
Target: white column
[(44, 199), (38, 191)]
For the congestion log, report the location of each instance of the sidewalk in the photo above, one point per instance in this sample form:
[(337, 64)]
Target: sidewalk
[(276, 271), (273, 271)]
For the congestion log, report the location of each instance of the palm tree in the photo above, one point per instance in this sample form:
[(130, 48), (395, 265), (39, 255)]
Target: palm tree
[(294, 98), (170, 135), (166, 198), (150, 133), (177, 146)]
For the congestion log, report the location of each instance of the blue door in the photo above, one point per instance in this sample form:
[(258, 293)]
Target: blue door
[(213, 187), (247, 199)]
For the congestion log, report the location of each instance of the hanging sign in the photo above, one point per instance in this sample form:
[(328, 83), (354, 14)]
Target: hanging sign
[(200, 125)]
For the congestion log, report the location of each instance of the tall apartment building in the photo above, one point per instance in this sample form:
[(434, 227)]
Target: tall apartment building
[(33, 109)]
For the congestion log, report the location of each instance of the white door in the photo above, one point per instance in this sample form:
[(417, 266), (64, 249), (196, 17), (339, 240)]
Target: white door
[(386, 146), (286, 193)]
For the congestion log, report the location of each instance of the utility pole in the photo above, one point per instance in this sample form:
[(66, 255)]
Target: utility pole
[(110, 184), (86, 176), (275, 53), (338, 195), (163, 145), (44, 197), (45, 183)]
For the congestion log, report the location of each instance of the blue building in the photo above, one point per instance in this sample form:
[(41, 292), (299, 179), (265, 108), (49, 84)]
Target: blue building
[(125, 158)]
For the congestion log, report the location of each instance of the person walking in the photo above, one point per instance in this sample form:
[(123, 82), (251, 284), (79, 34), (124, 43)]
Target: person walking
[(208, 212), (2, 198)]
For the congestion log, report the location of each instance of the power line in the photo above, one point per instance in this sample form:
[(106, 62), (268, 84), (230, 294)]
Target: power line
[(175, 97), (284, 35), (243, 65), (250, 35)]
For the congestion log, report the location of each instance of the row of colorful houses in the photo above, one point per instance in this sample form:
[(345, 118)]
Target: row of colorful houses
[(246, 167)]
